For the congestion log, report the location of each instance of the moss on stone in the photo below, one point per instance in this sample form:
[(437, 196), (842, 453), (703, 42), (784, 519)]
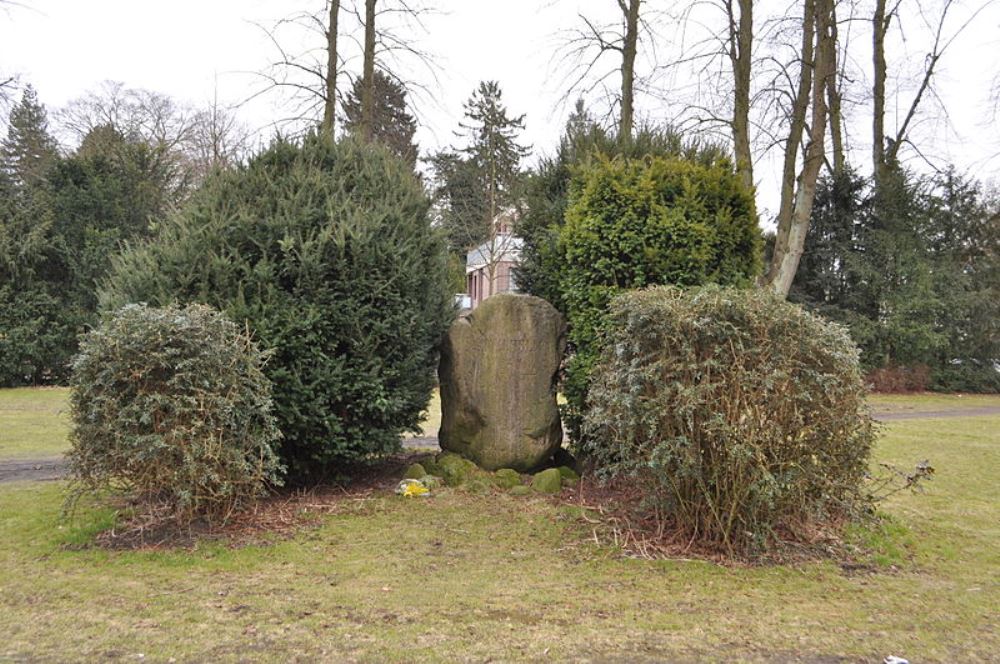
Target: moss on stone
[(481, 484), (547, 481), (497, 370), (431, 466), (520, 490), (568, 473), (507, 478), (454, 469), (415, 472)]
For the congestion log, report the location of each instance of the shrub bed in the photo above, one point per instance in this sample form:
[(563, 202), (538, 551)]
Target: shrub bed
[(741, 417), (172, 406), (632, 223), (326, 251)]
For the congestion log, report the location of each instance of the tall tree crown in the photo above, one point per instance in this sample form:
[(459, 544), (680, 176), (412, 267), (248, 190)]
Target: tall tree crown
[(28, 150), (394, 126)]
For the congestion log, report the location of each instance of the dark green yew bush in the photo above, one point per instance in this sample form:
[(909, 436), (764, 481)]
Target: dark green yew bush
[(326, 251), (171, 406), (632, 223), (740, 416)]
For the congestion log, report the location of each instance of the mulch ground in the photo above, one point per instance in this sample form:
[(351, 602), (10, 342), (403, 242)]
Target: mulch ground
[(279, 516)]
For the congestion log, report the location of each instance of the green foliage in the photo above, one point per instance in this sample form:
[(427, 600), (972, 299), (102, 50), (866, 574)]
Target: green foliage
[(37, 324), (394, 126), (172, 406), (634, 223), (912, 269), (28, 151), (742, 417), (483, 179), (37, 335), (60, 222), (547, 190), (326, 251)]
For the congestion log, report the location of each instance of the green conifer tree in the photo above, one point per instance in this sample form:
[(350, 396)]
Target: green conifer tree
[(29, 150), (394, 127)]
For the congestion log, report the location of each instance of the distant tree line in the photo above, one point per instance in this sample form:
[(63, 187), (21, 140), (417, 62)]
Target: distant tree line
[(64, 215), (912, 266)]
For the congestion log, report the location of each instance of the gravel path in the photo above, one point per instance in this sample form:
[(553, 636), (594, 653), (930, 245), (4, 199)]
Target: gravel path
[(53, 468), (931, 414), (20, 470)]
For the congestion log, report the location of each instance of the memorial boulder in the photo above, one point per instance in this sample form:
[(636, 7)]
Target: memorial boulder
[(498, 383)]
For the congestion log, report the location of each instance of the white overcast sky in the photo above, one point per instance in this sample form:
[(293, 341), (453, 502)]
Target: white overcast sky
[(190, 49)]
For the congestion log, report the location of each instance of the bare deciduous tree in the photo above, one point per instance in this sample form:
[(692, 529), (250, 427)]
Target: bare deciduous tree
[(217, 140), (368, 76), (312, 75), (885, 147), (330, 97), (138, 114), (186, 141), (798, 185), (584, 49), (379, 33), (740, 59)]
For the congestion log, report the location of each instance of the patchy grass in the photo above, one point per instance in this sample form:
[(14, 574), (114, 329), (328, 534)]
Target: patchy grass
[(931, 402), (474, 577), (34, 422), (432, 422)]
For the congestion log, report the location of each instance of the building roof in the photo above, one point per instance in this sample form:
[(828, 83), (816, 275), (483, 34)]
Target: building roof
[(503, 248)]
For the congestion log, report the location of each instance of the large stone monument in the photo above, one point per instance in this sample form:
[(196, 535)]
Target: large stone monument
[(498, 374)]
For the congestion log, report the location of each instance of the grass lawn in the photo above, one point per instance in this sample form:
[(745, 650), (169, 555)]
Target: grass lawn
[(34, 422), (931, 402), (461, 577), (35, 419)]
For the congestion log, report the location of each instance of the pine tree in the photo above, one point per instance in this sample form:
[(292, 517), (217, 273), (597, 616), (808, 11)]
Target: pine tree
[(477, 182), (394, 127), (28, 150), (493, 146)]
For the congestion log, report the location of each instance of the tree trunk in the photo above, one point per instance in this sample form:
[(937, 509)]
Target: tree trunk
[(800, 107), (740, 48), (630, 13), (368, 74), (793, 219), (330, 105), (880, 26), (833, 99)]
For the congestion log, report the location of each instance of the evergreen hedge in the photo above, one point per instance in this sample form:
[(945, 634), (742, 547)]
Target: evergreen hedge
[(632, 223), (171, 406), (326, 251), (740, 416)]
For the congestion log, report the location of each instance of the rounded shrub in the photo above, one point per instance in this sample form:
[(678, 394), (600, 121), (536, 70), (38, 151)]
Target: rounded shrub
[(632, 223), (172, 406), (326, 251), (740, 416)]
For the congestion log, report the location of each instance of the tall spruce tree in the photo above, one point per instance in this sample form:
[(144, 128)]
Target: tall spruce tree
[(28, 150), (393, 125), (483, 178), (493, 146)]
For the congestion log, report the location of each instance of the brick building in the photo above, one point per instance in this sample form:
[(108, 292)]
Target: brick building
[(489, 267)]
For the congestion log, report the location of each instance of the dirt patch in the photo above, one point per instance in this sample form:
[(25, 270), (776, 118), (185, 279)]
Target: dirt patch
[(277, 517), (616, 515), (33, 470)]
